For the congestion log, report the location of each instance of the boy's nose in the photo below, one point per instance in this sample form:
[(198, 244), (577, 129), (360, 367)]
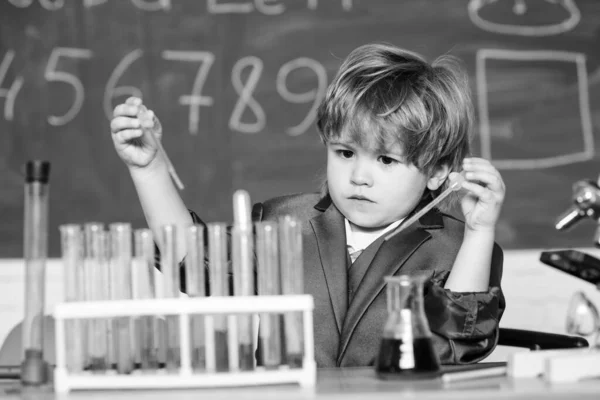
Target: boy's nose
[(360, 174)]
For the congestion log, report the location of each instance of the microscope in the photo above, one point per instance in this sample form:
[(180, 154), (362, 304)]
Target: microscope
[(586, 204)]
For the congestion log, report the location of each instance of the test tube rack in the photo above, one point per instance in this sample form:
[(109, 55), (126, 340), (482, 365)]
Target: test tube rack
[(184, 308)]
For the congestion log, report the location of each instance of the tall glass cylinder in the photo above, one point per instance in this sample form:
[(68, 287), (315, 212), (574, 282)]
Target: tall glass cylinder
[(120, 269), (219, 286), (292, 282), (196, 287), (269, 284), (143, 286), (243, 273), (35, 248), (72, 258), (170, 270), (97, 265)]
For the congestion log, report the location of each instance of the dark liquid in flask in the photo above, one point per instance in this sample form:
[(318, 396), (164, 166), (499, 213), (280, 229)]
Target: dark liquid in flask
[(392, 351)]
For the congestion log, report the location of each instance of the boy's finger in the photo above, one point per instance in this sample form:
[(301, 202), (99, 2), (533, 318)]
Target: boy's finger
[(491, 180), (483, 194), (121, 123), (125, 110), (133, 101), (128, 134)]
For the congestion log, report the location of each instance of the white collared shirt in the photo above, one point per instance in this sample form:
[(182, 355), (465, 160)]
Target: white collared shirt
[(358, 241)]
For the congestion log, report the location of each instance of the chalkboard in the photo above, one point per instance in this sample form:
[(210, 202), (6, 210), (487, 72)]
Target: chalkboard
[(236, 84)]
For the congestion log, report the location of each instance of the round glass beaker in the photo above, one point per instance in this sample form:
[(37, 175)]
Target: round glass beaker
[(406, 350)]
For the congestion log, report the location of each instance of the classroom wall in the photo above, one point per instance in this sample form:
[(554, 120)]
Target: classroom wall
[(236, 84)]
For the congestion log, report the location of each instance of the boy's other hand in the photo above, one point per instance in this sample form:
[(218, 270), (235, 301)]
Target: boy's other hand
[(485, 189), (135, 131)]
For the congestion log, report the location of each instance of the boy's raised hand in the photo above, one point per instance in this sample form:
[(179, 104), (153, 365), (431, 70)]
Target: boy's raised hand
[(484, 196), (135, 131)]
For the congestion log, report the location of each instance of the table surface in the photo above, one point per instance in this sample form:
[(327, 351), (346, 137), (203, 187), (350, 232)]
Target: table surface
[(346, 383)]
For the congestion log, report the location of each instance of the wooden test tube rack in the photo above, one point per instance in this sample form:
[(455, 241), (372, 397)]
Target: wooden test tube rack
[(185, 377)]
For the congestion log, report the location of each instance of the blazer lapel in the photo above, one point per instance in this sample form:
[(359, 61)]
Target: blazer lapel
[(388, 260), (331, 242)]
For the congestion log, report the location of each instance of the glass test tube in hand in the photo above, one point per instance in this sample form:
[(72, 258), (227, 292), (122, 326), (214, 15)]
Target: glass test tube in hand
[(71, 238), (243, 273), (35, 247), (143, 287), (196, 287), (170, 269), (219, 286), (292, 282), (120, 274), (269, 284), (97, 276)]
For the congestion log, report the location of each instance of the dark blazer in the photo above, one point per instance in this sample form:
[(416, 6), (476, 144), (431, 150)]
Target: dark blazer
[(350, 308)]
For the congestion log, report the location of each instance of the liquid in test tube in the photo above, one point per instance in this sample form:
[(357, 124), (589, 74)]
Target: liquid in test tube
[(97, 274), (143, 286), (196, 287), (243, 272), (292, 282), (34, 370), (219, 286), (71, 237), (269, 284), (120, 273), (170, 270)]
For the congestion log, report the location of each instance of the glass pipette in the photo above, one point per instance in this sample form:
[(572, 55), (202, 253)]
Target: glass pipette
[(454, 186)]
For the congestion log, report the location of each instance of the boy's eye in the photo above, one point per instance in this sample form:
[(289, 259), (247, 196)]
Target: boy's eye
[(345, 153), (387, 160)]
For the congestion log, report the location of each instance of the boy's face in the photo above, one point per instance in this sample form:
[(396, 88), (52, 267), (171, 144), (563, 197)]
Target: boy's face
[(373, 188)]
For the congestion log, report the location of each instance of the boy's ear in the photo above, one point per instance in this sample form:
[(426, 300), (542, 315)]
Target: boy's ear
[(438, 177)]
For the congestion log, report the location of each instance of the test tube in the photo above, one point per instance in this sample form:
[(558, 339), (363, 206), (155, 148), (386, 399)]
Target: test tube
[(33, 367), (196, 287), (269, 284), (243, 272), (120, 273), (71, 237), (97, 264), (143, 287), (219, 286), (170, 270), (292, 282)]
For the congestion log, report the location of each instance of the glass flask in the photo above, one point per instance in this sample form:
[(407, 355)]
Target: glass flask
[(406, 350)]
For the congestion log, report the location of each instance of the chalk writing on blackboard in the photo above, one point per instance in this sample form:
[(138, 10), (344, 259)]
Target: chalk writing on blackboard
[(203, 60), (266, 7), (518, 56), (565, 19), (11, 93)]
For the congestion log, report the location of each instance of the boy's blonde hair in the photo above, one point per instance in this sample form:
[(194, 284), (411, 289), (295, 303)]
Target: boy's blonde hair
[(383, 94)]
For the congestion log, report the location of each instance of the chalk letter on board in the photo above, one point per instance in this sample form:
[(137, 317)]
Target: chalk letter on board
[(214, 7), (155, 5), (111, 91), (21, 3), (346, 4), (9, 94), (195, 99), (52, 5), (269, 9), (92, 3), (314, 95), (245, 96), (52, 75)]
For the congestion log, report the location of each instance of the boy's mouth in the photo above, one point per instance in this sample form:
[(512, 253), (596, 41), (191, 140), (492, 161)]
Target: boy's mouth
[(362, 198)]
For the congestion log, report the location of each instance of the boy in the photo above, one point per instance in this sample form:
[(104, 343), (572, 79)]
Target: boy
[(396, 129)]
